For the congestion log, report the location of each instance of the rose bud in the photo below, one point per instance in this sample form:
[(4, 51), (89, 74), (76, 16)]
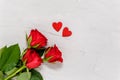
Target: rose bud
[(36, 39), (53, 54), (31, 59)]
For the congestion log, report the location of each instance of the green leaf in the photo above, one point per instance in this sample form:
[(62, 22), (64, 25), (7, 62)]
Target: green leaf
[(11, 71), (2, 49), (9, 58), (1, 75), (24, 76), (35, 75), (4, 57)]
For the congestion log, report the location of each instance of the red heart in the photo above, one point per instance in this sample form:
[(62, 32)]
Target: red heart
[(66, 32), (57, 26)]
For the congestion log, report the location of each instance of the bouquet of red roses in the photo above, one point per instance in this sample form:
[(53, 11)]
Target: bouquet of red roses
[(21, 66)]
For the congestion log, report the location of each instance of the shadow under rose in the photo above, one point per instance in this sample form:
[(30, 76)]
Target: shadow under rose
[(54, 66)]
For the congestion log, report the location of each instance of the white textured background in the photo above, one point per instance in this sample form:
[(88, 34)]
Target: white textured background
[(91, 53)]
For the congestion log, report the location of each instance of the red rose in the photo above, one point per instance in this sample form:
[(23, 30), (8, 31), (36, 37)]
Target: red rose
[(53, 54), (32, 59), (36, 39)]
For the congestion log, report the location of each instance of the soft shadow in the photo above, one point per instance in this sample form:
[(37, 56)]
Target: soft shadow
[(54, 66)]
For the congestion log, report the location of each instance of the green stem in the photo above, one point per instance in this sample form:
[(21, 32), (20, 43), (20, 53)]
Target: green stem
[(13, 74)]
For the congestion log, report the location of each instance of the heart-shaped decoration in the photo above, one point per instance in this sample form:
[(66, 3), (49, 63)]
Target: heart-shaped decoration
[(57, 26), (66, 32)]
